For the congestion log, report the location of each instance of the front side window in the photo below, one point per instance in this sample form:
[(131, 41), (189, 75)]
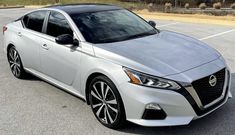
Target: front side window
[(111, 26), (58, 25), (34, 21)]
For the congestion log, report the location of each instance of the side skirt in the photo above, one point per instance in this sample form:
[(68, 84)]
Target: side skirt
[(56, 83)]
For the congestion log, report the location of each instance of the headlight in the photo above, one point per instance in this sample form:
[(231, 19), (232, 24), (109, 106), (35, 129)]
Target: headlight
[(150, 81)]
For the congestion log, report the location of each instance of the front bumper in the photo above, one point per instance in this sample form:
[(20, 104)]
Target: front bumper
[(179, 108)]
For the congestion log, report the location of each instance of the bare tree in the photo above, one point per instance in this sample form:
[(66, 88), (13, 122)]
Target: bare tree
[(176, 1)]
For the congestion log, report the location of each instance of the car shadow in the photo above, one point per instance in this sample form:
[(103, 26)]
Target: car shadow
[(30, 77), (221, 120)]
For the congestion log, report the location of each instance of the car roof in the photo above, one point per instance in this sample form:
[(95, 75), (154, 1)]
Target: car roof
[(84, 8)]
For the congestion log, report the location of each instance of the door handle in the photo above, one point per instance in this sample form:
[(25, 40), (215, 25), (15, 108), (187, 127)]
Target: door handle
[(19, 34), (44, 46)]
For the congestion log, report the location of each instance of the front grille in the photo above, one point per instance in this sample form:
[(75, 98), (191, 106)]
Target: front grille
[(208, 93)]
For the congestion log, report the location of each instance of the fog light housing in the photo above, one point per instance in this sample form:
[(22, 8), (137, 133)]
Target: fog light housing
[(153, 106), (153, 112)]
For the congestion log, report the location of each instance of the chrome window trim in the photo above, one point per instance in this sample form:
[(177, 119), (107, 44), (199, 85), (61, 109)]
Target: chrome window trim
[(44, 21), (47, 21), (71, 23), (68, 18)]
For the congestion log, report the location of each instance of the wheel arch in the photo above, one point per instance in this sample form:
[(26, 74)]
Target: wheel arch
[(8, 47), (88, 81), (112, 71), (116, 81)]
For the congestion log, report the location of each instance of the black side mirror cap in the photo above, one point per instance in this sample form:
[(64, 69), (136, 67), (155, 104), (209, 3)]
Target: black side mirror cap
[(64, 39), (75, 42), (152, 23)]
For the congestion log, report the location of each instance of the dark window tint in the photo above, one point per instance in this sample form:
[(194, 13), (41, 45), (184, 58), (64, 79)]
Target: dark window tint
[(111, 26), (34, 21), (25, 20), (58, 25)]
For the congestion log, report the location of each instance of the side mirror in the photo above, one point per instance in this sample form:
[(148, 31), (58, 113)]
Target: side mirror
[(66, 39), (152, 23)]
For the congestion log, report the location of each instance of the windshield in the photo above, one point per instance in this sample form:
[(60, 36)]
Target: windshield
[(111, 26)]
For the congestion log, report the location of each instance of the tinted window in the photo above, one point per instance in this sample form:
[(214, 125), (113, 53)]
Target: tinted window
[(58, 25), (111, 26), (25, 20), (34, 21)]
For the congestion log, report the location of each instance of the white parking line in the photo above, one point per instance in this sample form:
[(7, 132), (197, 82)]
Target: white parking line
[(218, 34), (169, 24)]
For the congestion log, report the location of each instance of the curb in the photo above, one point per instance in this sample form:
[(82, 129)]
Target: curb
[(11, 7)]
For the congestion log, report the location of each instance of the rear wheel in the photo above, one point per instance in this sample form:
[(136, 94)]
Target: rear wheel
[(106, 102), (15, 63)]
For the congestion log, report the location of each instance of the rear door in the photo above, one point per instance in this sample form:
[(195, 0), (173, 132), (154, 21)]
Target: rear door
[(30, 37), (61, 62)]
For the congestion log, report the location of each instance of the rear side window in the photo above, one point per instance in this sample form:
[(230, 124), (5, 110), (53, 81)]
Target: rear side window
[(34, 21), (58, 25)]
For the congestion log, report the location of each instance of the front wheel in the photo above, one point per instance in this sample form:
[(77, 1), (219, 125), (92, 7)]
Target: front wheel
[(106, 102)]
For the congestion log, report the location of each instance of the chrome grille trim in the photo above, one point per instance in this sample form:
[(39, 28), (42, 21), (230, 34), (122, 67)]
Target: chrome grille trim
[(196, 98), (193, 93)]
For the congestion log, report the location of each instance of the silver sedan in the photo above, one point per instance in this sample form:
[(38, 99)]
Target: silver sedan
[(120, 64)]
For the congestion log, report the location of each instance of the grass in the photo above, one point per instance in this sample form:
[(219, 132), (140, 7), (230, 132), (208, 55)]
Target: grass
[(192, 18), (50, 2)]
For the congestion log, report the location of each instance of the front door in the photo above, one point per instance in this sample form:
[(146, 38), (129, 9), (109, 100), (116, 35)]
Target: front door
[(61, 62)]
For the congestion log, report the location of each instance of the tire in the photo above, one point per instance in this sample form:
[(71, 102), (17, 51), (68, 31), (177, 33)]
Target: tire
[(107, 106), (15, 63)]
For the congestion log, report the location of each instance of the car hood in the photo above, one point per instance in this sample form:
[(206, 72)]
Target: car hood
[(162, 54)]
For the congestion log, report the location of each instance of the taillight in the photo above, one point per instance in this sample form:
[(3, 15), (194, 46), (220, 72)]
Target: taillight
[(4, 29)]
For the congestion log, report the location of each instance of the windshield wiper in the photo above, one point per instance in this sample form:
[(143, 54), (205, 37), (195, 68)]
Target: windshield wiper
[(152, 32)]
